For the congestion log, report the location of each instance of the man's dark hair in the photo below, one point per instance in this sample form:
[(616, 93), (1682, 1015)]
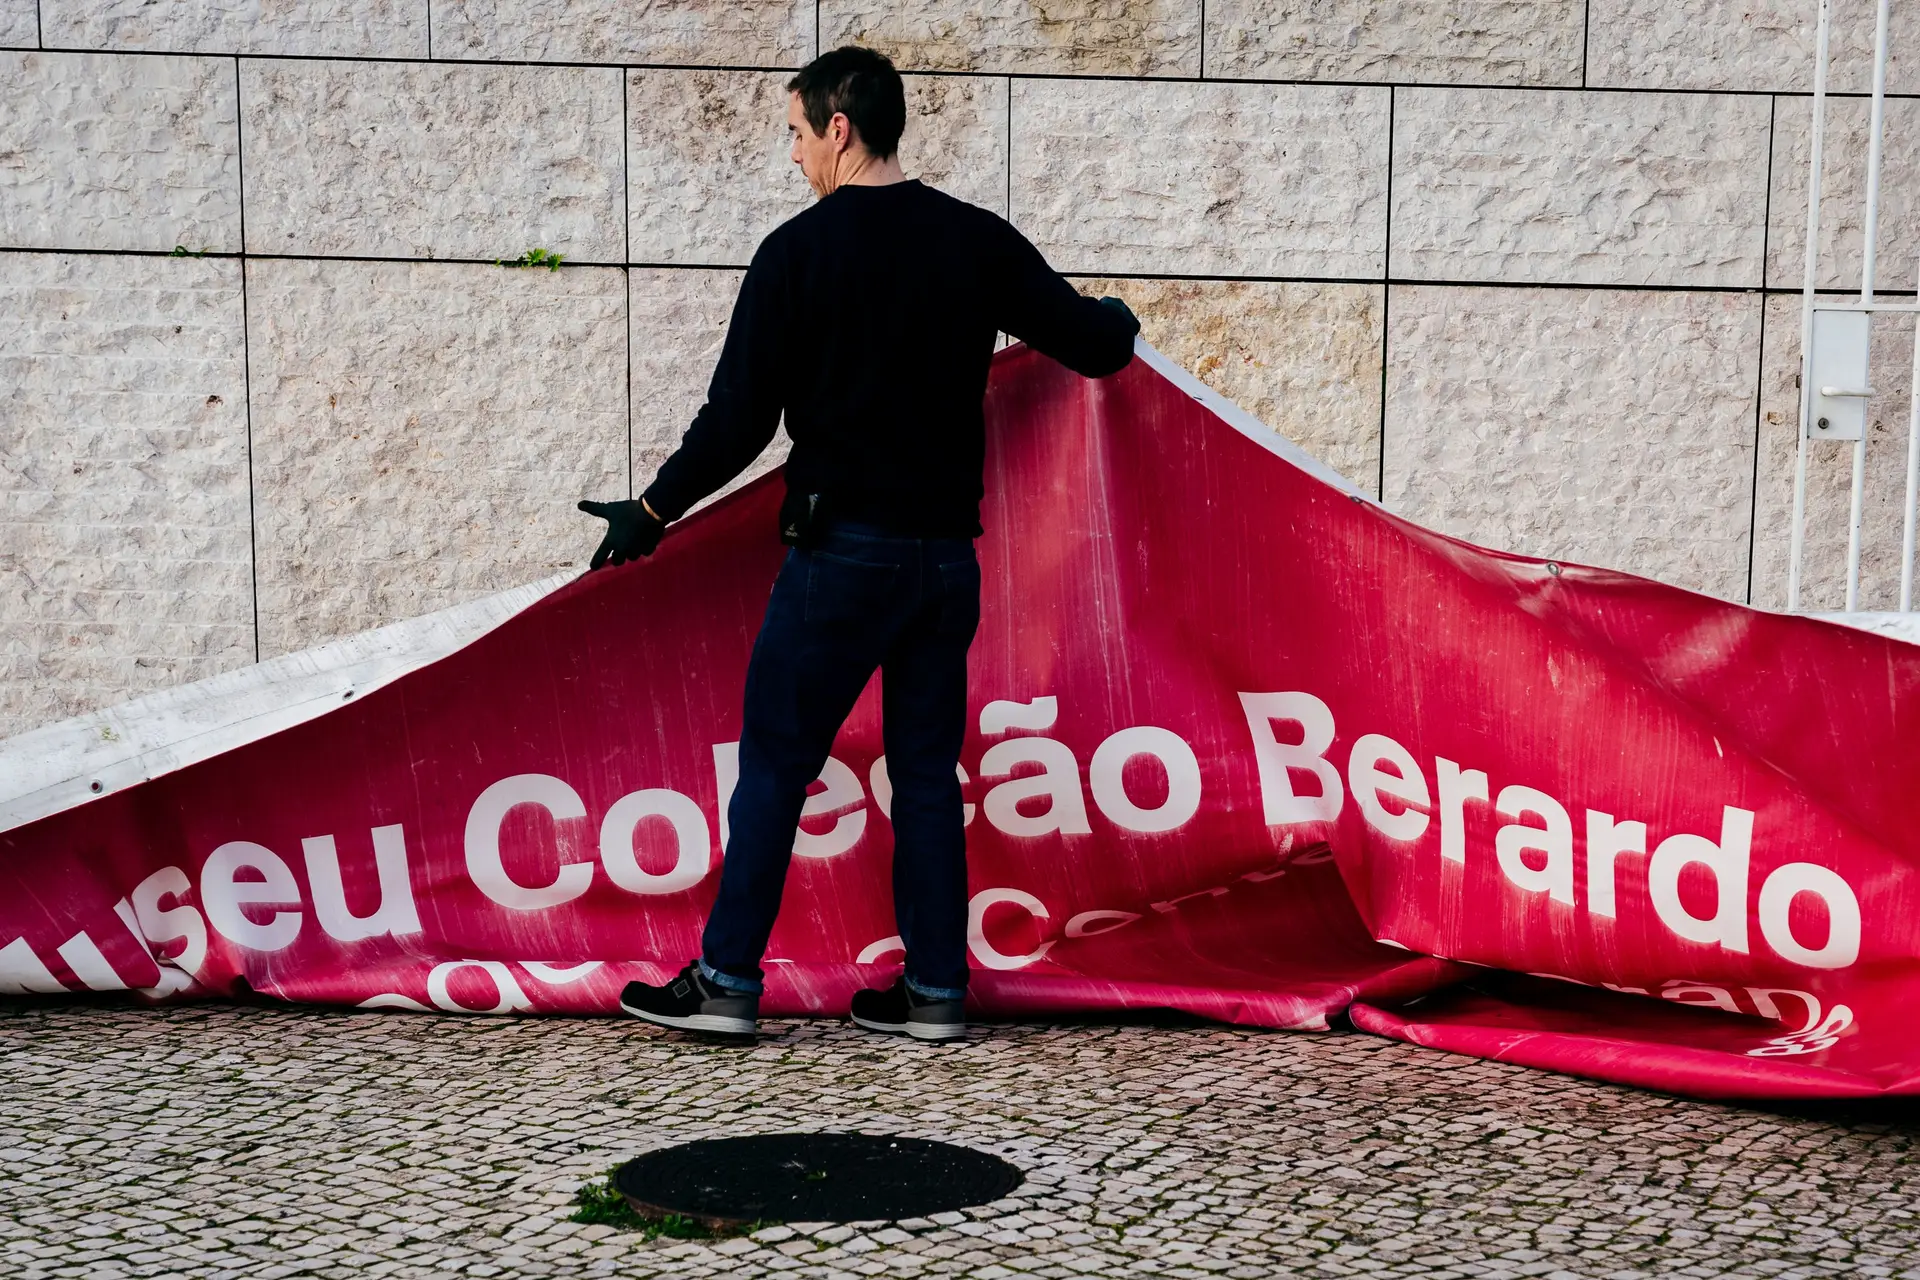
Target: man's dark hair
[(860, 84)]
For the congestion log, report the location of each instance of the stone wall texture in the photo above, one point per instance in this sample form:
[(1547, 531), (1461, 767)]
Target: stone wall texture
[(421, 433), (1843, 187), (316, 28), (1038, 37), (1590, 188), (1757, 46), (1302, 357), (125, 556), (106, 152), (19, 24), (1610, 427), (1523, 42), (1202, 179), (751, 33), (409, 160), (1527, 269)]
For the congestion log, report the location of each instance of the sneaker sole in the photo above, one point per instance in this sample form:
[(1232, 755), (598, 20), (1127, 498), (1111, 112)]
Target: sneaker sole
[(711, 1023), (915, 1030)]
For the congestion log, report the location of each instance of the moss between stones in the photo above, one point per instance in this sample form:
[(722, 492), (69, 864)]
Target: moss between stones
[(600, 1203)]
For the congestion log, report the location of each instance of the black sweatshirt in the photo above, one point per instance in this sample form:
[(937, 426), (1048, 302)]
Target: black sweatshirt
[(869, 320)]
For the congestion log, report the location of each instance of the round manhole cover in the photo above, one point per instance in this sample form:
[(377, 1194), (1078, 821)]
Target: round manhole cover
[(813, 1177)]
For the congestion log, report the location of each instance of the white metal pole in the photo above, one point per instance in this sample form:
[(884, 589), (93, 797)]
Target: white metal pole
[(1869, 243), (1869, 246), (1913, 476), (1853, 522), (1798, 532)]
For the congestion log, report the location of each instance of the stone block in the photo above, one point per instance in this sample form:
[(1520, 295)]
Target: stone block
[(1058, 37), (1519, 186), (956, 136), (1755, 46), (1843, 193), (1520, 42), (709, 173), (1202, 179), (422, 431), (1302, 358), (19, 24), (751, 33), (712, 174), (328, 28), (1604, 427), (114, 151), (125, 552), (420, 161), (1830, 474), (679, 321)]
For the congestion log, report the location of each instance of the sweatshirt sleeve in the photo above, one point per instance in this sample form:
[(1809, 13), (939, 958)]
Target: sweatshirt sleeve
[(744, 400), (1041, 309)]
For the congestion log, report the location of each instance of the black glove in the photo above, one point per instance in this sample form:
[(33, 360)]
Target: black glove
[(632, 531), (1123, 309)]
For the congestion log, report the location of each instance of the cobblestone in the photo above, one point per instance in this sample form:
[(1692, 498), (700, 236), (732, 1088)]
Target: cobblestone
[(225, 1141)]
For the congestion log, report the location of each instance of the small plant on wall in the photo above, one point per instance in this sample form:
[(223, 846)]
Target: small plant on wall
[(534, 258)]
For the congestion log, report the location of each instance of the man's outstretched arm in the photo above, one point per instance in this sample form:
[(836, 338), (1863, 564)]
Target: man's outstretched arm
[(1092, 338), (733, 427)]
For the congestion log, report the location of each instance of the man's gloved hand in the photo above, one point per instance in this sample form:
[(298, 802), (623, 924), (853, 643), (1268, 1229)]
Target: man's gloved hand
[(632, 531), (1123, 309)]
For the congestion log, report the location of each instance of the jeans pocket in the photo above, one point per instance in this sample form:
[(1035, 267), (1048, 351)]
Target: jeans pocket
[(960, 597), (843, 592)]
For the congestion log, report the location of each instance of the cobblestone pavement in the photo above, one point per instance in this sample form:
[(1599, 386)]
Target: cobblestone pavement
[(228, 1141)]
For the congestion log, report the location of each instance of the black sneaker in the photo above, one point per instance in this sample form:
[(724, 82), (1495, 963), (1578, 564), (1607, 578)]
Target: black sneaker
[(900, 1011), (691, 1003)]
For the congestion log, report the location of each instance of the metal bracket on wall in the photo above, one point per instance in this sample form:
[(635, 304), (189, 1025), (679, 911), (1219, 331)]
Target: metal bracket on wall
[(1838, 375)]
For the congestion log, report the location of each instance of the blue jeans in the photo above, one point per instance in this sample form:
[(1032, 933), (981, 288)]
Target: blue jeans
[(861, 600)]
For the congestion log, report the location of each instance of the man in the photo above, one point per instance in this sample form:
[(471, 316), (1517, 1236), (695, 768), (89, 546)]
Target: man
[(869, 320)]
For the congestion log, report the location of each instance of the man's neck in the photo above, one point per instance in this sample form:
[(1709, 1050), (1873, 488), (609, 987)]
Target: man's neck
[(866, 171)]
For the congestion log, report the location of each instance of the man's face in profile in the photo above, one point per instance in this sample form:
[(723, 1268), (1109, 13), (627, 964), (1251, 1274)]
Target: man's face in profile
[(816, 153)]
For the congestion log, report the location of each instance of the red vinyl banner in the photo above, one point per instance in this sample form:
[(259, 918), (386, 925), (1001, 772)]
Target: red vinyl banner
[(1242, 743)]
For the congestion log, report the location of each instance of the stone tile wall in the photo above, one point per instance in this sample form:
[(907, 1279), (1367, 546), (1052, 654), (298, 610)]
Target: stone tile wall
[(1759, 46), (1518, 42), (750, 33), (338, 28), (19, 24), (1605, 426), (1129, 38), (99, 151), (421, 433), (125, 539), (1515, 186), (413, 160), (1506, 262), (1229, 180)]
